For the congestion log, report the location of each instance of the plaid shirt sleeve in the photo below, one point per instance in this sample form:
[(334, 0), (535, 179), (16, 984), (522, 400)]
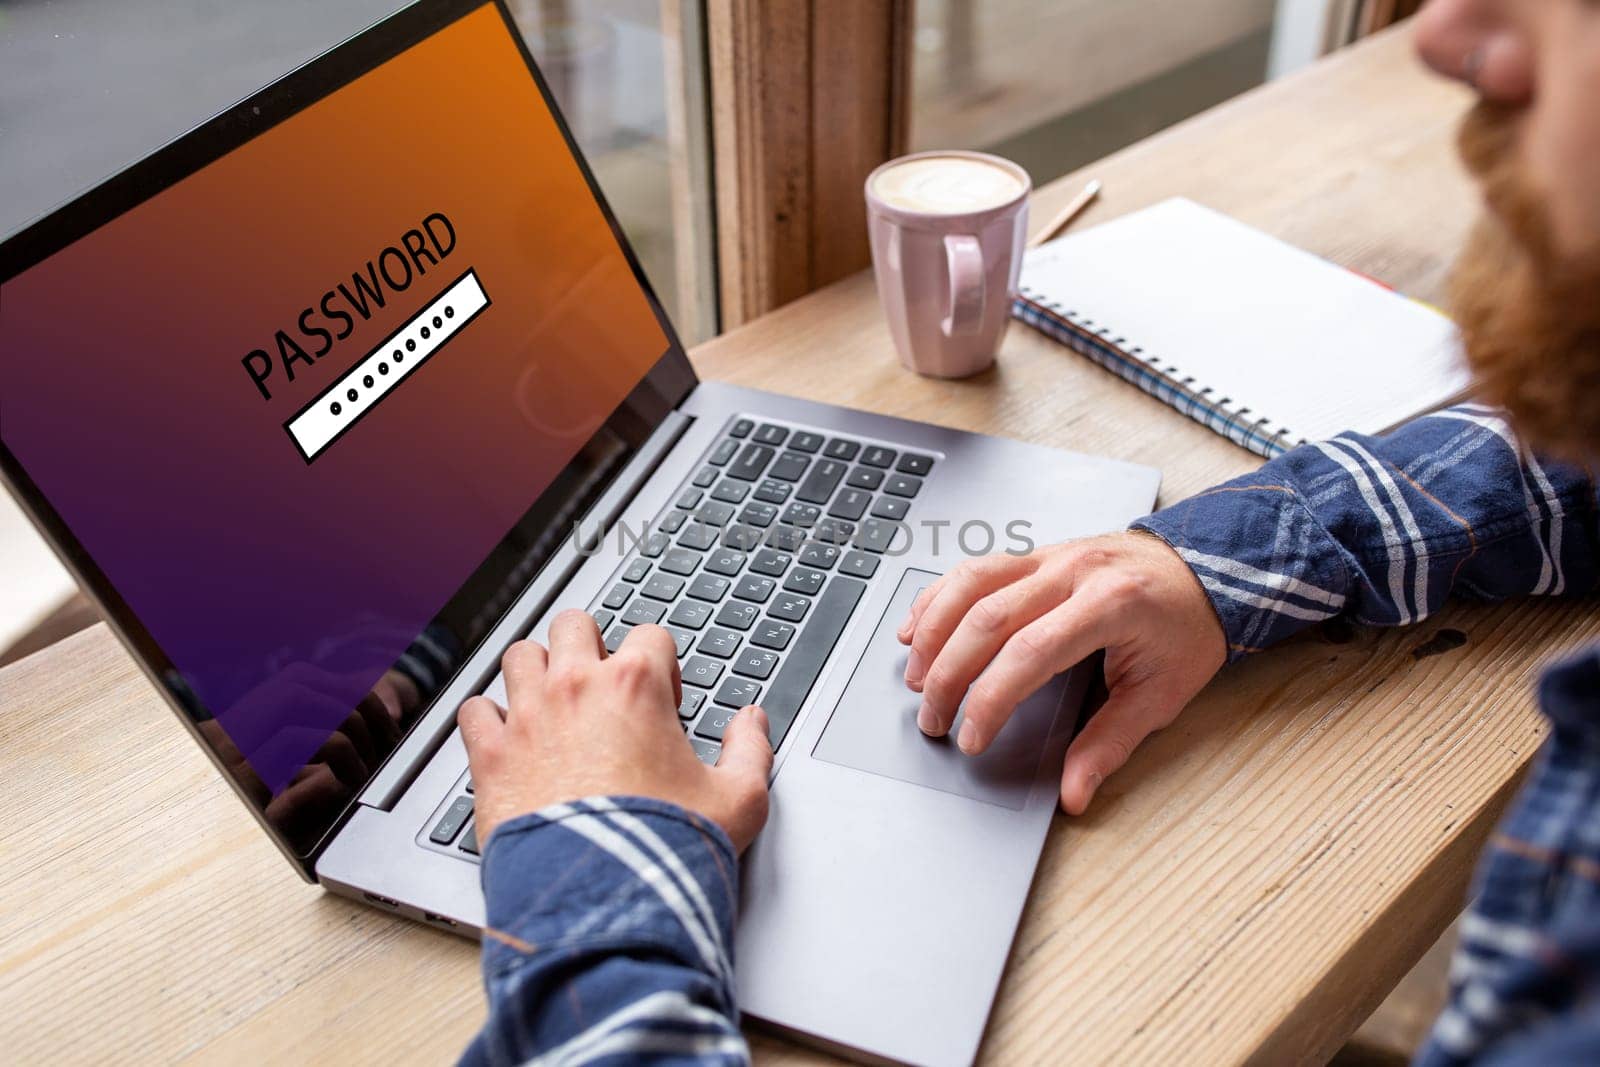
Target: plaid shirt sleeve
[(1383, 529), (609, 937)]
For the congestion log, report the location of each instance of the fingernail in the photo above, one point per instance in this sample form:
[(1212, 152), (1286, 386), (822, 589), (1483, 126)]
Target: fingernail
[(967, 740), (913, 668), (1095, 778), (927, 721)]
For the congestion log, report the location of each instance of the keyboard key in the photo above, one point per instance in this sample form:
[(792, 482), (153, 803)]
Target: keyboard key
[(725, 561), (850, 504), (889, 507), (663, 587), (771, 563), (804, 580), (730, 492), (877, 456), (839, 448), (693, 700), (865, 478), (805, 442), (789, 607), (615, 637), (825, 476), (754, 587), (715, 512), (469, 840), (643, 612), (741, 428), (769, 434), (702, 672), (709, 587), (737, 693), (617, 597), (636, 571), (690, 614), (469, 785), (790, 467), (689, 499), (682, 639), (798, 514), (737, 615), (773, 634), (877, 534), (705, 751), (755, 663), (831, 531), (723, 452), (744, 538), (758, 514), (786, 538), (903, 485), (672, 521), (602, 618), (859, 564), (911, 463), (450, 823), (680, 561), (715, 721), (802, 665), (720, 643), (698, 536), (706, 477), (654, 545), (819, 555), (773, 492), (751, 462)]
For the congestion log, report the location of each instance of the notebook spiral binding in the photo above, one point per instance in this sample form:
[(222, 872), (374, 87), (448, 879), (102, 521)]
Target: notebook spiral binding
[(1161, 379)]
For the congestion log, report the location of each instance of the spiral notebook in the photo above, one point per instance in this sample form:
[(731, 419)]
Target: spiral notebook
[(1268, 345)]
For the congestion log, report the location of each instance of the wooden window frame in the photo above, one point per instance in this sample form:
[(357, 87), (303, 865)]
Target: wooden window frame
[(807, 97)]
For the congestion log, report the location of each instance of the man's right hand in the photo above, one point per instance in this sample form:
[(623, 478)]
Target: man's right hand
[(995, 630)]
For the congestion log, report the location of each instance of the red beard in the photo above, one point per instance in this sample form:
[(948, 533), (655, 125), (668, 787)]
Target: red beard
[(1529, 318)]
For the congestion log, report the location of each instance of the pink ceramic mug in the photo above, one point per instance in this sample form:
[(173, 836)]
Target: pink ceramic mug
[(948, 231)]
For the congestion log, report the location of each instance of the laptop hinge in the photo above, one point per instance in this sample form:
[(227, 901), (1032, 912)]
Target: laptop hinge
[(406, 762)]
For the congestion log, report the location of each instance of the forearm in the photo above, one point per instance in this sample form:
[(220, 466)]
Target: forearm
[(610, 925), (1384, 529)]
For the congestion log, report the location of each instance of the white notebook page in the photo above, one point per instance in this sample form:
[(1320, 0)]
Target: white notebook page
[(1266, 326)]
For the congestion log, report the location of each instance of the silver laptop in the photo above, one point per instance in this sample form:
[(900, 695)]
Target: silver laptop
[(334, 397)]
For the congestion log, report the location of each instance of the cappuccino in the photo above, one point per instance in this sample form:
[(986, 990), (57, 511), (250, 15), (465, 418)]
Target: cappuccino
[(946, 185)]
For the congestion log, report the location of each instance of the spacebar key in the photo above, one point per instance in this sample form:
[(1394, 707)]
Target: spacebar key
[(804, 662)]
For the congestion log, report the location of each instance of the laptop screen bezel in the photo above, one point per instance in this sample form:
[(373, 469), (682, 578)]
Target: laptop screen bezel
[(669, 380)]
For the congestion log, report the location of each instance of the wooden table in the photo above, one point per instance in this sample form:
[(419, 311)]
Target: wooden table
[(1247, 889)]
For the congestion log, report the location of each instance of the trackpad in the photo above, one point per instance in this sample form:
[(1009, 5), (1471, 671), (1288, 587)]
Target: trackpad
[(874, 726)]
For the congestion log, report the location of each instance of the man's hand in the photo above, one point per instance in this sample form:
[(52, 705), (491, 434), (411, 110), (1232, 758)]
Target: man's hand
[(1021, 620), (583, 724)]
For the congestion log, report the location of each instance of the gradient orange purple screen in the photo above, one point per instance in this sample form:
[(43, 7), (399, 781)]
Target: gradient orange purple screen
[(132, 399)]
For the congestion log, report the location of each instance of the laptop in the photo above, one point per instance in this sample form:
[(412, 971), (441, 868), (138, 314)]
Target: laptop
[(334, 397)]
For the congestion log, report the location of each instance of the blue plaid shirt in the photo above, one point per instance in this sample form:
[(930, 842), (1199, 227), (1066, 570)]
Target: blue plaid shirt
[(611, 920)]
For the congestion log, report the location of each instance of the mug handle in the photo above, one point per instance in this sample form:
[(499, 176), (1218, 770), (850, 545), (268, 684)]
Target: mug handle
[(964, 255)]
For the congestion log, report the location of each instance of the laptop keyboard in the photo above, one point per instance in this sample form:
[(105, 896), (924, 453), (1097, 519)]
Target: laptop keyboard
[(755, 570)]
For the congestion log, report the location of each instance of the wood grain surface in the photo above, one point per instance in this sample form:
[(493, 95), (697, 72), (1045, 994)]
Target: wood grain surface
[(1247, 889)]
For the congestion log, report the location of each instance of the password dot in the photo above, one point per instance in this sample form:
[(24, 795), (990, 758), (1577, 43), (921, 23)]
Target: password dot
[(336, 408), (411, 346), (367, 381), (424, 333), (437, 322), (351, 396), (449, 312)]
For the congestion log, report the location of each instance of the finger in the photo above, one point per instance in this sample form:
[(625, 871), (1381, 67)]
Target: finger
[(742, 772), (658, 655), (575, 639), (354, 727), (483, 726), (379, 722), (1032, 656), (909, 626), (961, 588), (343, 759), (524, 665), (1130, 715), (978, 638)]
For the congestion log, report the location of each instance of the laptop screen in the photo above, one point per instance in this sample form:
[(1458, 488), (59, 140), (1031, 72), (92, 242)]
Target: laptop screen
[(317, 409)]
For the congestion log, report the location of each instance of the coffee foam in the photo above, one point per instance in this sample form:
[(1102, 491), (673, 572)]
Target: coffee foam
[(946, 185)]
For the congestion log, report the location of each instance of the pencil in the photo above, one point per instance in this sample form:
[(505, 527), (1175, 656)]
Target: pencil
[(1067, 214)]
